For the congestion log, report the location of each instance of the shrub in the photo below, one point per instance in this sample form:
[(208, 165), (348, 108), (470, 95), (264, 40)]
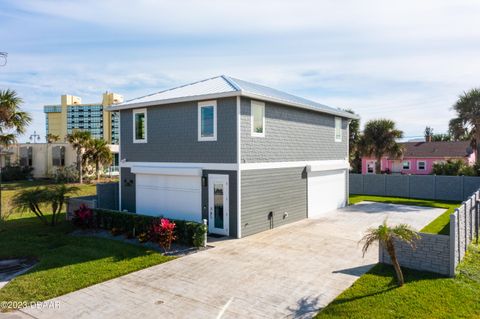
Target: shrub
[(16, 173), (83, 217), (186, 232), (66, 174), (453, 168), (165, 233)]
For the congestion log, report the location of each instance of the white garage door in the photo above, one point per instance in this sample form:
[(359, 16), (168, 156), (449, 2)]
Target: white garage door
[(172, 196), (326, 192)]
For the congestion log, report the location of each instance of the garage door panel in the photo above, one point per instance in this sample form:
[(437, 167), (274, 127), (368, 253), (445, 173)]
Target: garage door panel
[(326, 192), (177, 197)]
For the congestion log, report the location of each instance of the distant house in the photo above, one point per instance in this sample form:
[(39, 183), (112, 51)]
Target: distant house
[(419, 157)]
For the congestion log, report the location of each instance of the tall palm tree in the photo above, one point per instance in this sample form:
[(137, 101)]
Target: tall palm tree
[(99, 153), (13, 121), (386, 237), (467, 108), (79, 141), (379, 139)]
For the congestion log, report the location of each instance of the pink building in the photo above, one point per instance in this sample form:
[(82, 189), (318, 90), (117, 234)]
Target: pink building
[(419, 157)]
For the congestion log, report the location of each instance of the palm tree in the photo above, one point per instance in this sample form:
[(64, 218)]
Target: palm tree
[(379, 139), (13, 122), (99, 153), (52, 138), (386, 237), (467, 108), (79, 141), (35, 199)]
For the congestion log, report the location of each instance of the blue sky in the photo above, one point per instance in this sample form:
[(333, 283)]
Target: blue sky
[(407, 61)]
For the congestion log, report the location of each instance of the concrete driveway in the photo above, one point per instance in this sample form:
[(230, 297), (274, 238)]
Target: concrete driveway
[(291, 271)]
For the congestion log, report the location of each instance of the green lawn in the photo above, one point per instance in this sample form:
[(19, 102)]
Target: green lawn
[(66, 263), (424, 295), (441, 225)]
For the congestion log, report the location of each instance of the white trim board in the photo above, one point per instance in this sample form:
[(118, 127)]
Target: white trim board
[(206, 166), (324, 165), (239, 173), (158, 170)]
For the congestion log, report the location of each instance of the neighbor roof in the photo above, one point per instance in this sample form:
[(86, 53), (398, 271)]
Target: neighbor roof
[(225, 86), (437, 149)]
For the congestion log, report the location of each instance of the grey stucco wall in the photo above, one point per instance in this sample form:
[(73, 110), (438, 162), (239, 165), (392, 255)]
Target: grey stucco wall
[(232, 198), (432, 253), (272, 190), (107, 195), (291, 134), (127, 180), (452, 188), (172, 135)]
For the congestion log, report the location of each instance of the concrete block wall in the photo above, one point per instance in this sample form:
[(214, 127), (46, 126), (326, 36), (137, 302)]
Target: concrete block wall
[(453, 188), (432, 253), (464, 228)]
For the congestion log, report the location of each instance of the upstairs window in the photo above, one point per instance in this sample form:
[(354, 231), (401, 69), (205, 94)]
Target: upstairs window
[(140, 126), (257, 110), (338, 129), (406, 165), (207, 121)]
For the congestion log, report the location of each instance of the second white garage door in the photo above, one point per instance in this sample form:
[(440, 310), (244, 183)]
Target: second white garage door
[(172, 196), (326, 192)]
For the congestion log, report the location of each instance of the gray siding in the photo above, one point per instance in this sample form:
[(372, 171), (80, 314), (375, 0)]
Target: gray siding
[(272, 190), (232, 197), (173, 135), (291, 134), (127, 181)]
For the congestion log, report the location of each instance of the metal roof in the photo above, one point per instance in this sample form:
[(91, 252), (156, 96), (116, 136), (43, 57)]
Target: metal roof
[(224, 86)]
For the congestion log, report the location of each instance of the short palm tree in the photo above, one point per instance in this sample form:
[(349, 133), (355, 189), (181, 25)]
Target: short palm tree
[(36, 199), (13, 121), (99, 153), (379, 139), (467, 108), (386, 236), (79, 141)]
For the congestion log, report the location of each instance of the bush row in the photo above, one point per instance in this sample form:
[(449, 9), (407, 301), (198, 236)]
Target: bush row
[(187, 232)]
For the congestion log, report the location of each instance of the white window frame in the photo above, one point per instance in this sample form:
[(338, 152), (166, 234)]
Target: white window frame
[(338, 125), (424, 165), (138, 111), (262, 105), (409, 165), (200, 106), (374, 163)]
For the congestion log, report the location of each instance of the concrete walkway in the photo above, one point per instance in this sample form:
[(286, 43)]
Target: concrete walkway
[(291, 271)]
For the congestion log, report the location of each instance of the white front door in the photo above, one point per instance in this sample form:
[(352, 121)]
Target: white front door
[(218, 212)]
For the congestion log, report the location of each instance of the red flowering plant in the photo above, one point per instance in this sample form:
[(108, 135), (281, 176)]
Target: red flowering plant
[(83, 217), (164, 231)]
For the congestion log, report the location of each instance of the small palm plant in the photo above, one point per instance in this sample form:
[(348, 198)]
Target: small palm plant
[(386, 237), (36, 199)]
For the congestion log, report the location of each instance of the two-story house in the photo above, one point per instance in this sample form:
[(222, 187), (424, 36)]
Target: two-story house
[(243, 156)]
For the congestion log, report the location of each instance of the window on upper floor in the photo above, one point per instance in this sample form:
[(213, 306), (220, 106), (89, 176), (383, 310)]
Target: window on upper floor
[(257, 110), (338, 129), (207, 121), (370, 167), (421, 165), (140, 126), (58, 156), (406, 165)]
